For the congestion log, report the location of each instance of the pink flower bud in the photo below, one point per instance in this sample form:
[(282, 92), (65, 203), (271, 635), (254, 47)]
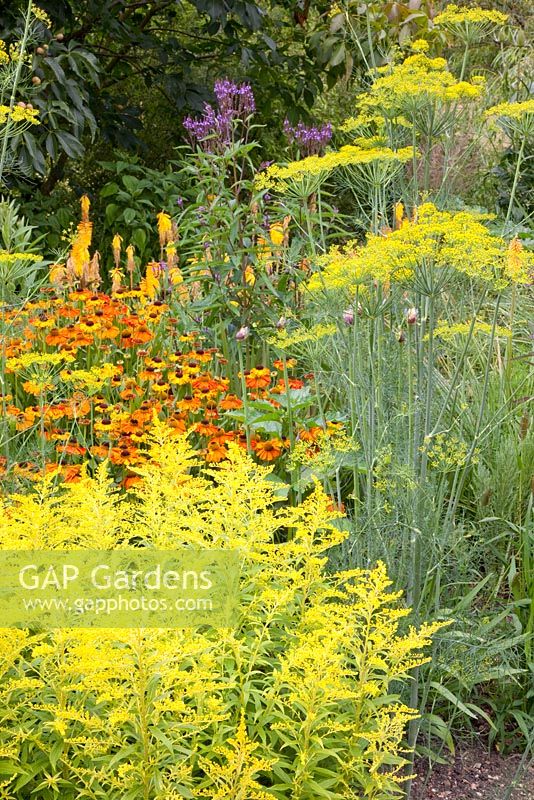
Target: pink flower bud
[(242, 333)]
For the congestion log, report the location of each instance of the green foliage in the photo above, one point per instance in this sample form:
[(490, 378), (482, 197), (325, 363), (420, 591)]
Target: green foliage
[(20, 266), (131, 201)]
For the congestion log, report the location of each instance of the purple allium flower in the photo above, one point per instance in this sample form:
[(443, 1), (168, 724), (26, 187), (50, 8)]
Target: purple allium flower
[(310, 139), (348, 316)]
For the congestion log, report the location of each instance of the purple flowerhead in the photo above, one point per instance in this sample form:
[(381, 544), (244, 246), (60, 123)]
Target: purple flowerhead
[(310, 139), (213, 131)]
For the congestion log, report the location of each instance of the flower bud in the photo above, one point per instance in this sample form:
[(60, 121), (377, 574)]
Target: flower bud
[(242, 333), (348, 316), (412, 316)]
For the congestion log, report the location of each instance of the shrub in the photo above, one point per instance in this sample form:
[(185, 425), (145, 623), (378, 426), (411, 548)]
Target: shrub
[(294, 702)]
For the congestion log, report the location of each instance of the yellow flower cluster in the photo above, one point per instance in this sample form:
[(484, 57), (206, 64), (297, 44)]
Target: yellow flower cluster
[(42, 16), (446, 453), (4, 58), (515, 118), (27, 360), (331, 450), (417, 81), (91, 379), (448, 331), (443, 239), (9, 258), (284, 339), (209, 712), (512, 110), (362, 121), (19, 114), (419, 46), (277, 177), (453, 16)]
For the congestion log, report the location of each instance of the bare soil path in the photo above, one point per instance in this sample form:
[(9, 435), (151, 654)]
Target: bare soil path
[(476, 775)]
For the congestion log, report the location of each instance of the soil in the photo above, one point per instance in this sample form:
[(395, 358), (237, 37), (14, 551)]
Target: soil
[(475, 774)]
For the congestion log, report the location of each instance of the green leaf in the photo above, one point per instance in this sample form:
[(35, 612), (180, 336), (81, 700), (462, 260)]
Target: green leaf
[(338, 56), (139, 238), (112, 212), (70, 144), (109, 190), (448, 695), (129, 215), (9, 768), (131, 183)]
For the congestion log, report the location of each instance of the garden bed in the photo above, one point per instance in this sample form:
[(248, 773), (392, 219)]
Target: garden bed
[(476, 774)]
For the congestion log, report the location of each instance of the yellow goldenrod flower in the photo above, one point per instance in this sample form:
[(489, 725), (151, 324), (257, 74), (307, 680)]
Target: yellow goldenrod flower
[(7, 258)]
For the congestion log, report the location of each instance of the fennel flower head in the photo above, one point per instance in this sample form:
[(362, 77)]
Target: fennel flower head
[(317, 167), (415, 83), (514, 118), (20, 114), (458, 242), (469, 24)]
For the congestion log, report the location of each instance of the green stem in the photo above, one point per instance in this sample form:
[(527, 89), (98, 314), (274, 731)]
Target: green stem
[(414, 168), (464, 61), (244, 396), (459, 480), (516, 181), (16, 81)]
